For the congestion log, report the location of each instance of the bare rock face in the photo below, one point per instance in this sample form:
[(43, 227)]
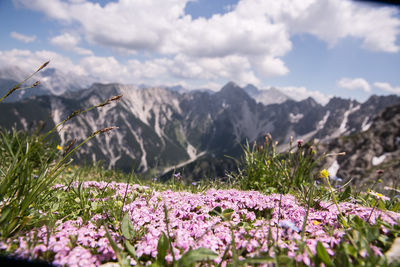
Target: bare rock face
[(370, 155)]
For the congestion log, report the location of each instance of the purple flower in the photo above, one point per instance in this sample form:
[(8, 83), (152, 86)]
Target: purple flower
[(299, 143), (249, 214)]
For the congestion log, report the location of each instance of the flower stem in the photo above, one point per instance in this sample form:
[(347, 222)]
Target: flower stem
[(336, 203)]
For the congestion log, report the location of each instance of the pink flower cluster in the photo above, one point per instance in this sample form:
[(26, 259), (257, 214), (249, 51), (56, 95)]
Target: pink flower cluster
[(72, 243), (193, 223)]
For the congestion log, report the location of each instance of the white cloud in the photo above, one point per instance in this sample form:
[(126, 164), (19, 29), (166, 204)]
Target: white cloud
[(195, 70), (269, 66), (387, 87), (68, 41), (30, 61), (105, 69), (163, 27), (246, 44), (22, 37), (332, 20), (301, 93), (354, 84)]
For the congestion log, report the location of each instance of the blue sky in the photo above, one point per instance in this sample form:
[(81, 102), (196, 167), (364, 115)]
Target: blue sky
[(318, 48)]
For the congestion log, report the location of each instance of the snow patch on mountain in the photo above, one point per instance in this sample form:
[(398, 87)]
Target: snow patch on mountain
[(378, 160), (343, 126), (191, 150), (365, 125), (22, 119), (295, 118), (321, 123), (333, 169)]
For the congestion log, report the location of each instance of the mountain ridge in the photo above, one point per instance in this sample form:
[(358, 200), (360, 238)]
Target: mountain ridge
[(160, 128)]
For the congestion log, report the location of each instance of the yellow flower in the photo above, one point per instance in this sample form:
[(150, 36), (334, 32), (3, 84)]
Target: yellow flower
[(379, 195), (59, 147), (324, 174), (316, 222)]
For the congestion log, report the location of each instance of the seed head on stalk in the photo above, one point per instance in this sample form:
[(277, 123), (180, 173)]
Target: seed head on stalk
[(111, 99), (104, 130)]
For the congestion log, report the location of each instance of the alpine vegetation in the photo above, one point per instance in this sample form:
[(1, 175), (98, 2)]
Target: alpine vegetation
[(276, 209)]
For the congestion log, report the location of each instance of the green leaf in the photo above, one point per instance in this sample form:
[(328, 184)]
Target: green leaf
[(396, 207), (381, 205), (130, 248), (322, 254), (4, 214), (350, 250), (216, 211), (372, 234), (285, 260), (383, 239), (358, 222), (193, 256), (259, 260), (127, 227), (341, 259), (346, 194), (162, 248), (227, 214), (114, 245)]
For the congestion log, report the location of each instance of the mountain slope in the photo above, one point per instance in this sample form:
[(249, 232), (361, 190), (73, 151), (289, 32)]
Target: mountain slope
[(160, 129), (377, 148)]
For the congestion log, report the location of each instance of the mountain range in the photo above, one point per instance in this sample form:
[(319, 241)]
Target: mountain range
[(169, 129)]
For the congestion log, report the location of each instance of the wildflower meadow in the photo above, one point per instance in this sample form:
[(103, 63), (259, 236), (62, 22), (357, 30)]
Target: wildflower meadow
[(277, 209)]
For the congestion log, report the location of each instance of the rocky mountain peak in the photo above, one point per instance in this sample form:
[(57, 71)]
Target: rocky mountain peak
[(229, 86), (337, 102), (232, 92), (251, 90)]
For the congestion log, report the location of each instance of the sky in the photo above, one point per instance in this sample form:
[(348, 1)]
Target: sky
[(317, 48)]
